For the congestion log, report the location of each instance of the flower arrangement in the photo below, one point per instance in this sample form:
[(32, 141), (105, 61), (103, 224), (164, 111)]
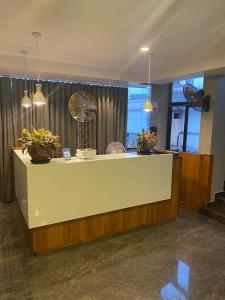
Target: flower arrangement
[(146, 141), (41, 144)]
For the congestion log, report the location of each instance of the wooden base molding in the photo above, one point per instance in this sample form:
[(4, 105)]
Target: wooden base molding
[(99, 226), (95, 227)]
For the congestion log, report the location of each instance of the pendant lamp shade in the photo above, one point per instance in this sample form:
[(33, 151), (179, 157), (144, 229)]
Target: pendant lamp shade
[(38, 98), (148, 105), (25, 101)]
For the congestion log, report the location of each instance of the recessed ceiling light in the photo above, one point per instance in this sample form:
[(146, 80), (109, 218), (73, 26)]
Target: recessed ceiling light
[(144, 49)]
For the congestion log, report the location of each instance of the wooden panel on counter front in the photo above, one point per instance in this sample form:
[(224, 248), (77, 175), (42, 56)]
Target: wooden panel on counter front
[(94, 227), (196, 179)]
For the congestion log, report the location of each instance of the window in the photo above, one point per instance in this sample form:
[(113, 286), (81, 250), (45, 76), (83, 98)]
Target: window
[(177, 128), (177, 93), (137, 119), (184, 121), (193, 130)]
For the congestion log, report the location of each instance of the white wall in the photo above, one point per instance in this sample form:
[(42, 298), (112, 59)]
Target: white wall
[(207, 118), (212, 134), (160, 94), (14, 66)]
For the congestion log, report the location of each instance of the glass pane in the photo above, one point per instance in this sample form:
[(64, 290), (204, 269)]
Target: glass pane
[(177, 128), (194, 120), (177, 93), (137, 119)]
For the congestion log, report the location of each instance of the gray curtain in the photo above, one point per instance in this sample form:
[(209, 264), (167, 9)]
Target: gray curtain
[(7, 128), (109, 124)]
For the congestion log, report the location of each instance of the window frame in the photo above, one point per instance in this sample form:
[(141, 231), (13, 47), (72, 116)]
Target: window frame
[(169, 123), (172, 104)]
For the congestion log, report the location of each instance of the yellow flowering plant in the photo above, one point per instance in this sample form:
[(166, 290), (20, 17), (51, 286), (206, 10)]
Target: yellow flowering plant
[(146, 141), (39, 141)]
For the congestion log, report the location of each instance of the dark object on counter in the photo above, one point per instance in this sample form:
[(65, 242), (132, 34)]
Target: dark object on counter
[(146, 152), (153, 129), (40, 160), (40, 157)]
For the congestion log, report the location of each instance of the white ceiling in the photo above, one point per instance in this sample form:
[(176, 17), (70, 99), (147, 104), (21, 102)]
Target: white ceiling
[(101, 38)]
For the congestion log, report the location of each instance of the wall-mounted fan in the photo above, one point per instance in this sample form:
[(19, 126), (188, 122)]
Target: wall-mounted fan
[(115, 147), (83, 108), (196, 98)]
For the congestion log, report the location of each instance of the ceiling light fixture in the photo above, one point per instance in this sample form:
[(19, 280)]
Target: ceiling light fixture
[(148, 104), (38, 98), (144, 49), (25, 101)]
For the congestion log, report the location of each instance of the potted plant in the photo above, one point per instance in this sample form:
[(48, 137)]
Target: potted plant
[(146, 141), (41, 144)]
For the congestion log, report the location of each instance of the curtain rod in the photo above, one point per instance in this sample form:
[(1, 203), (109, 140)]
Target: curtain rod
[(88, 82)]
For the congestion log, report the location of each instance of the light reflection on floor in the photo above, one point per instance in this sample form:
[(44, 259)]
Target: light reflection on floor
[(178, 290), (183, 271)]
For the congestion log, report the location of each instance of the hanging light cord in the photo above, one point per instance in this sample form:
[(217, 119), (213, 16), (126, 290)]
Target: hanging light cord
[(149, 65), (25, 73), (37, 59)]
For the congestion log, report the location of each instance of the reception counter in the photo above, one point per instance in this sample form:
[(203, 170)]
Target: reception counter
[(69, 202)]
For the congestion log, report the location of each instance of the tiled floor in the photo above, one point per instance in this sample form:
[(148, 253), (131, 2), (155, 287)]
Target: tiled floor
[(176, 260)]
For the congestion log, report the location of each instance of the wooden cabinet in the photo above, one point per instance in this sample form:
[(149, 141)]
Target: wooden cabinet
[(196, 180)]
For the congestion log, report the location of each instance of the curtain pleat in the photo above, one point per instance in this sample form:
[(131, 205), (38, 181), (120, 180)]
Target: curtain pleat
[(108, 126), (7, 133)]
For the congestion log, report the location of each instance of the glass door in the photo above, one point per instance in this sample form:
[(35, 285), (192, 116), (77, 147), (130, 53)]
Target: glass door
[(184, 129), (177, 128), (193, 130), (183, 125)]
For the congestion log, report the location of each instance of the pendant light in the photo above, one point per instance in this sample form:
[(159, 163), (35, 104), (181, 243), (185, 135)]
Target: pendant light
[(25, 101), (148, 104), (38, 98)]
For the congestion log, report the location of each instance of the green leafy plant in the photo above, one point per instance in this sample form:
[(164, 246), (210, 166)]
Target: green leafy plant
[(39, 142), (146, 140)]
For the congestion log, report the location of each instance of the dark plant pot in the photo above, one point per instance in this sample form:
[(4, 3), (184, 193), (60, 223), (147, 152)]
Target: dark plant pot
[(40, 159), (39, 156), (145, 152)]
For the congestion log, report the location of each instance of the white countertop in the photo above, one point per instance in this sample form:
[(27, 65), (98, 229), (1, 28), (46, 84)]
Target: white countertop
[(27, 159)]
